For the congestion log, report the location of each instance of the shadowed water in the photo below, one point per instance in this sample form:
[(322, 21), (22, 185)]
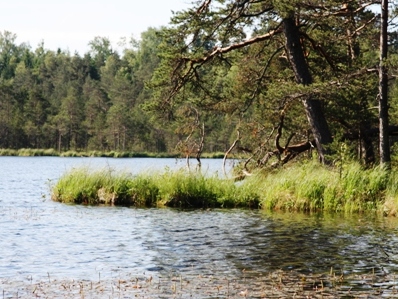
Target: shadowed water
[(40, 238)]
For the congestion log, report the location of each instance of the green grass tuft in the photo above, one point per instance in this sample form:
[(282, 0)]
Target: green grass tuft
[(180, 189), (306, 186), (310, 186)]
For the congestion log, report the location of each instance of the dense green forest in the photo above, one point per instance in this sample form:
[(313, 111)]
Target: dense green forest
[(59, 100), (270, 79)]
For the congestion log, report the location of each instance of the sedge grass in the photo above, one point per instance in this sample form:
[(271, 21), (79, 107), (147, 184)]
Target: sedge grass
[(32, 152), (8, 152), (81, 185), (306, 186), (194, 190), (28, 152), (181, 189), (313, 187)]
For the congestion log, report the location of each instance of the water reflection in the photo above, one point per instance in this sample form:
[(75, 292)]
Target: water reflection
[(228, 242)]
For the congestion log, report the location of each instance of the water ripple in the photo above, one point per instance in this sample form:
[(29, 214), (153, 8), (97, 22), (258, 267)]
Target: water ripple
[(41, 238)]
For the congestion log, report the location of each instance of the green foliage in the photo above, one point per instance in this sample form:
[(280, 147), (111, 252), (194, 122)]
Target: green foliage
[(72, 103), (306, 186), (77, 104), (212, 73), (28, 152), (312, 187), (247, 75), (81, 186), (180, 189), (188, 190), (8, 152)]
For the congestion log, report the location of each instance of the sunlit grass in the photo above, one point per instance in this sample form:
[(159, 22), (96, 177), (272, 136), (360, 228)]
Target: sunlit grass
[(8, 152), (306, 186), (313, 187), (31, 152), (181, 189), (28, 152), (195, 190)]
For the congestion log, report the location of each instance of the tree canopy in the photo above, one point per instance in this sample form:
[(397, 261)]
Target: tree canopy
[(268, 79), (290, 75), (52, 99)]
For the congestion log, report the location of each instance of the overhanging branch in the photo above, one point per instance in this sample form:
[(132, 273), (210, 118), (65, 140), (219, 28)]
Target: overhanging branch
[(219, 50)]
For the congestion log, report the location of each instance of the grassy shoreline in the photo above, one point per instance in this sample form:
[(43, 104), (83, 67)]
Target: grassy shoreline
[(305, 186), (179, 189), (28, 152)]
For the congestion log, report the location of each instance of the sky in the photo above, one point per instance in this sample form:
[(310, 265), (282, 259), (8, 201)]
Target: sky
[(72, 24)]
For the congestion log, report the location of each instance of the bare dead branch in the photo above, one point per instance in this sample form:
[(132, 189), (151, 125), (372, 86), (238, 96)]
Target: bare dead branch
[(203, 7), (289, 140), (201, 144), (229, 151), (363, 26)]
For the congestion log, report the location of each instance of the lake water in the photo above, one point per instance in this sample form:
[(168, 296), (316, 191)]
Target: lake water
[(44, 240)]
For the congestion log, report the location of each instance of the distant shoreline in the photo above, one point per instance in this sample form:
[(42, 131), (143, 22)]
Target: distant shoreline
[(27, 152)]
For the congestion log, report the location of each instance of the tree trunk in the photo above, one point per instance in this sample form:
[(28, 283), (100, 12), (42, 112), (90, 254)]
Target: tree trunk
[(366, 151), (384, 144), (313, 108), (59, 141)]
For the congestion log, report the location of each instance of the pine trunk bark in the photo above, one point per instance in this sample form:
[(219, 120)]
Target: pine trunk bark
[(313, 107), (384, 144)]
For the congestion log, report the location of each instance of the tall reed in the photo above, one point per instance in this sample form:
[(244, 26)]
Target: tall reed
[(310, 186), (306, 186), (181, 188)]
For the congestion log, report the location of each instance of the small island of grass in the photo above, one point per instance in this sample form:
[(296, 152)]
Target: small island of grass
[(305, 186)]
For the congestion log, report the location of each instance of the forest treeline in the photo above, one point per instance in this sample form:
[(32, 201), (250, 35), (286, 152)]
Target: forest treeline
[(271, 79), (62, 101)]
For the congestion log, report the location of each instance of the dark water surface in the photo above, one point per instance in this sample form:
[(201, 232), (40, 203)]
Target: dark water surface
[(40, 238)]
